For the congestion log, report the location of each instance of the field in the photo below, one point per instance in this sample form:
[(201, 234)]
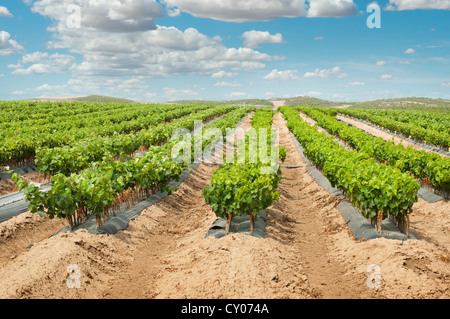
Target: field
[(102, 160)]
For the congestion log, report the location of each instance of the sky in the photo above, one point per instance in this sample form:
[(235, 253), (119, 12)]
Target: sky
[(165, 50)]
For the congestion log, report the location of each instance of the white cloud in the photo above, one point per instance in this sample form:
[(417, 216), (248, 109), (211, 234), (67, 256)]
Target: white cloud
[(263, 10), (227, 84), (7, 45), (82, 86), (446, 84), (336, 71), (236, 94), (386, 77), (102, 15), (314, 93), (253, 38), (332, 8), (404, 62), (223, 74), (356, 83), (381, 63), (281, 75), (409, 51), (4, 12), (43, 63), (401, 5), (318, 38), (19, 93), (126, 42), (175, 94), (240, 11)]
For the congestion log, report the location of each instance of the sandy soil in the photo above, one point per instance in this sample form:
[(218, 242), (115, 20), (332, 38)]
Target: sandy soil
[(308, 252), (8, 186)]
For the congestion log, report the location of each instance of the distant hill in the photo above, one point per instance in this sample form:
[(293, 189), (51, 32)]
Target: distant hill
[(105, 99), (312, 101), (408, 103), (255, 102)]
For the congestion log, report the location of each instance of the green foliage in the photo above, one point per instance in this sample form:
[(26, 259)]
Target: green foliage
[(101, 186), (424, 165), (244, 188), (371, 186)]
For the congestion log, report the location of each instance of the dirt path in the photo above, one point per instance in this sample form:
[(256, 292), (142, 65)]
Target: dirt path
[(277, 104)]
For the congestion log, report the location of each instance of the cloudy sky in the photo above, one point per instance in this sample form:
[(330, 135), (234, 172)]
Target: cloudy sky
[(162, 50)]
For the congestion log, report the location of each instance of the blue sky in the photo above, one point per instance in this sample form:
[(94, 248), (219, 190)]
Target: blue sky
[(158, 51)]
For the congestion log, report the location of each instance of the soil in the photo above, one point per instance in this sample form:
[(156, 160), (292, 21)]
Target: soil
[(8, 186), (308, 251)]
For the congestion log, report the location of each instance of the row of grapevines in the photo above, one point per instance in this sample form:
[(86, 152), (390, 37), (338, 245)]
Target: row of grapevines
[(77, 156), (378, 190), (31, 116), (439, 136), (88, 124), (110, 187), (429, 167), (18, 149), (243, 188), (16, 111)]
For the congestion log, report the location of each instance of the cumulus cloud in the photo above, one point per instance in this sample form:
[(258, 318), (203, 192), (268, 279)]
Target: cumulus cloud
[(356, 83), (240, 11), (101, 15), (223, 74), (334, 72), (263, 10), (7, 45), (401, 5), (19, 93), (175, 94), (409, 51), (381, 63), (125, 41), (253, 38), (227, 84), (43, 63), (281, 75), (446, 84), (102, 85), (331, 8), (386, 77), (236, 94), (314, 93), (4, 12)]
